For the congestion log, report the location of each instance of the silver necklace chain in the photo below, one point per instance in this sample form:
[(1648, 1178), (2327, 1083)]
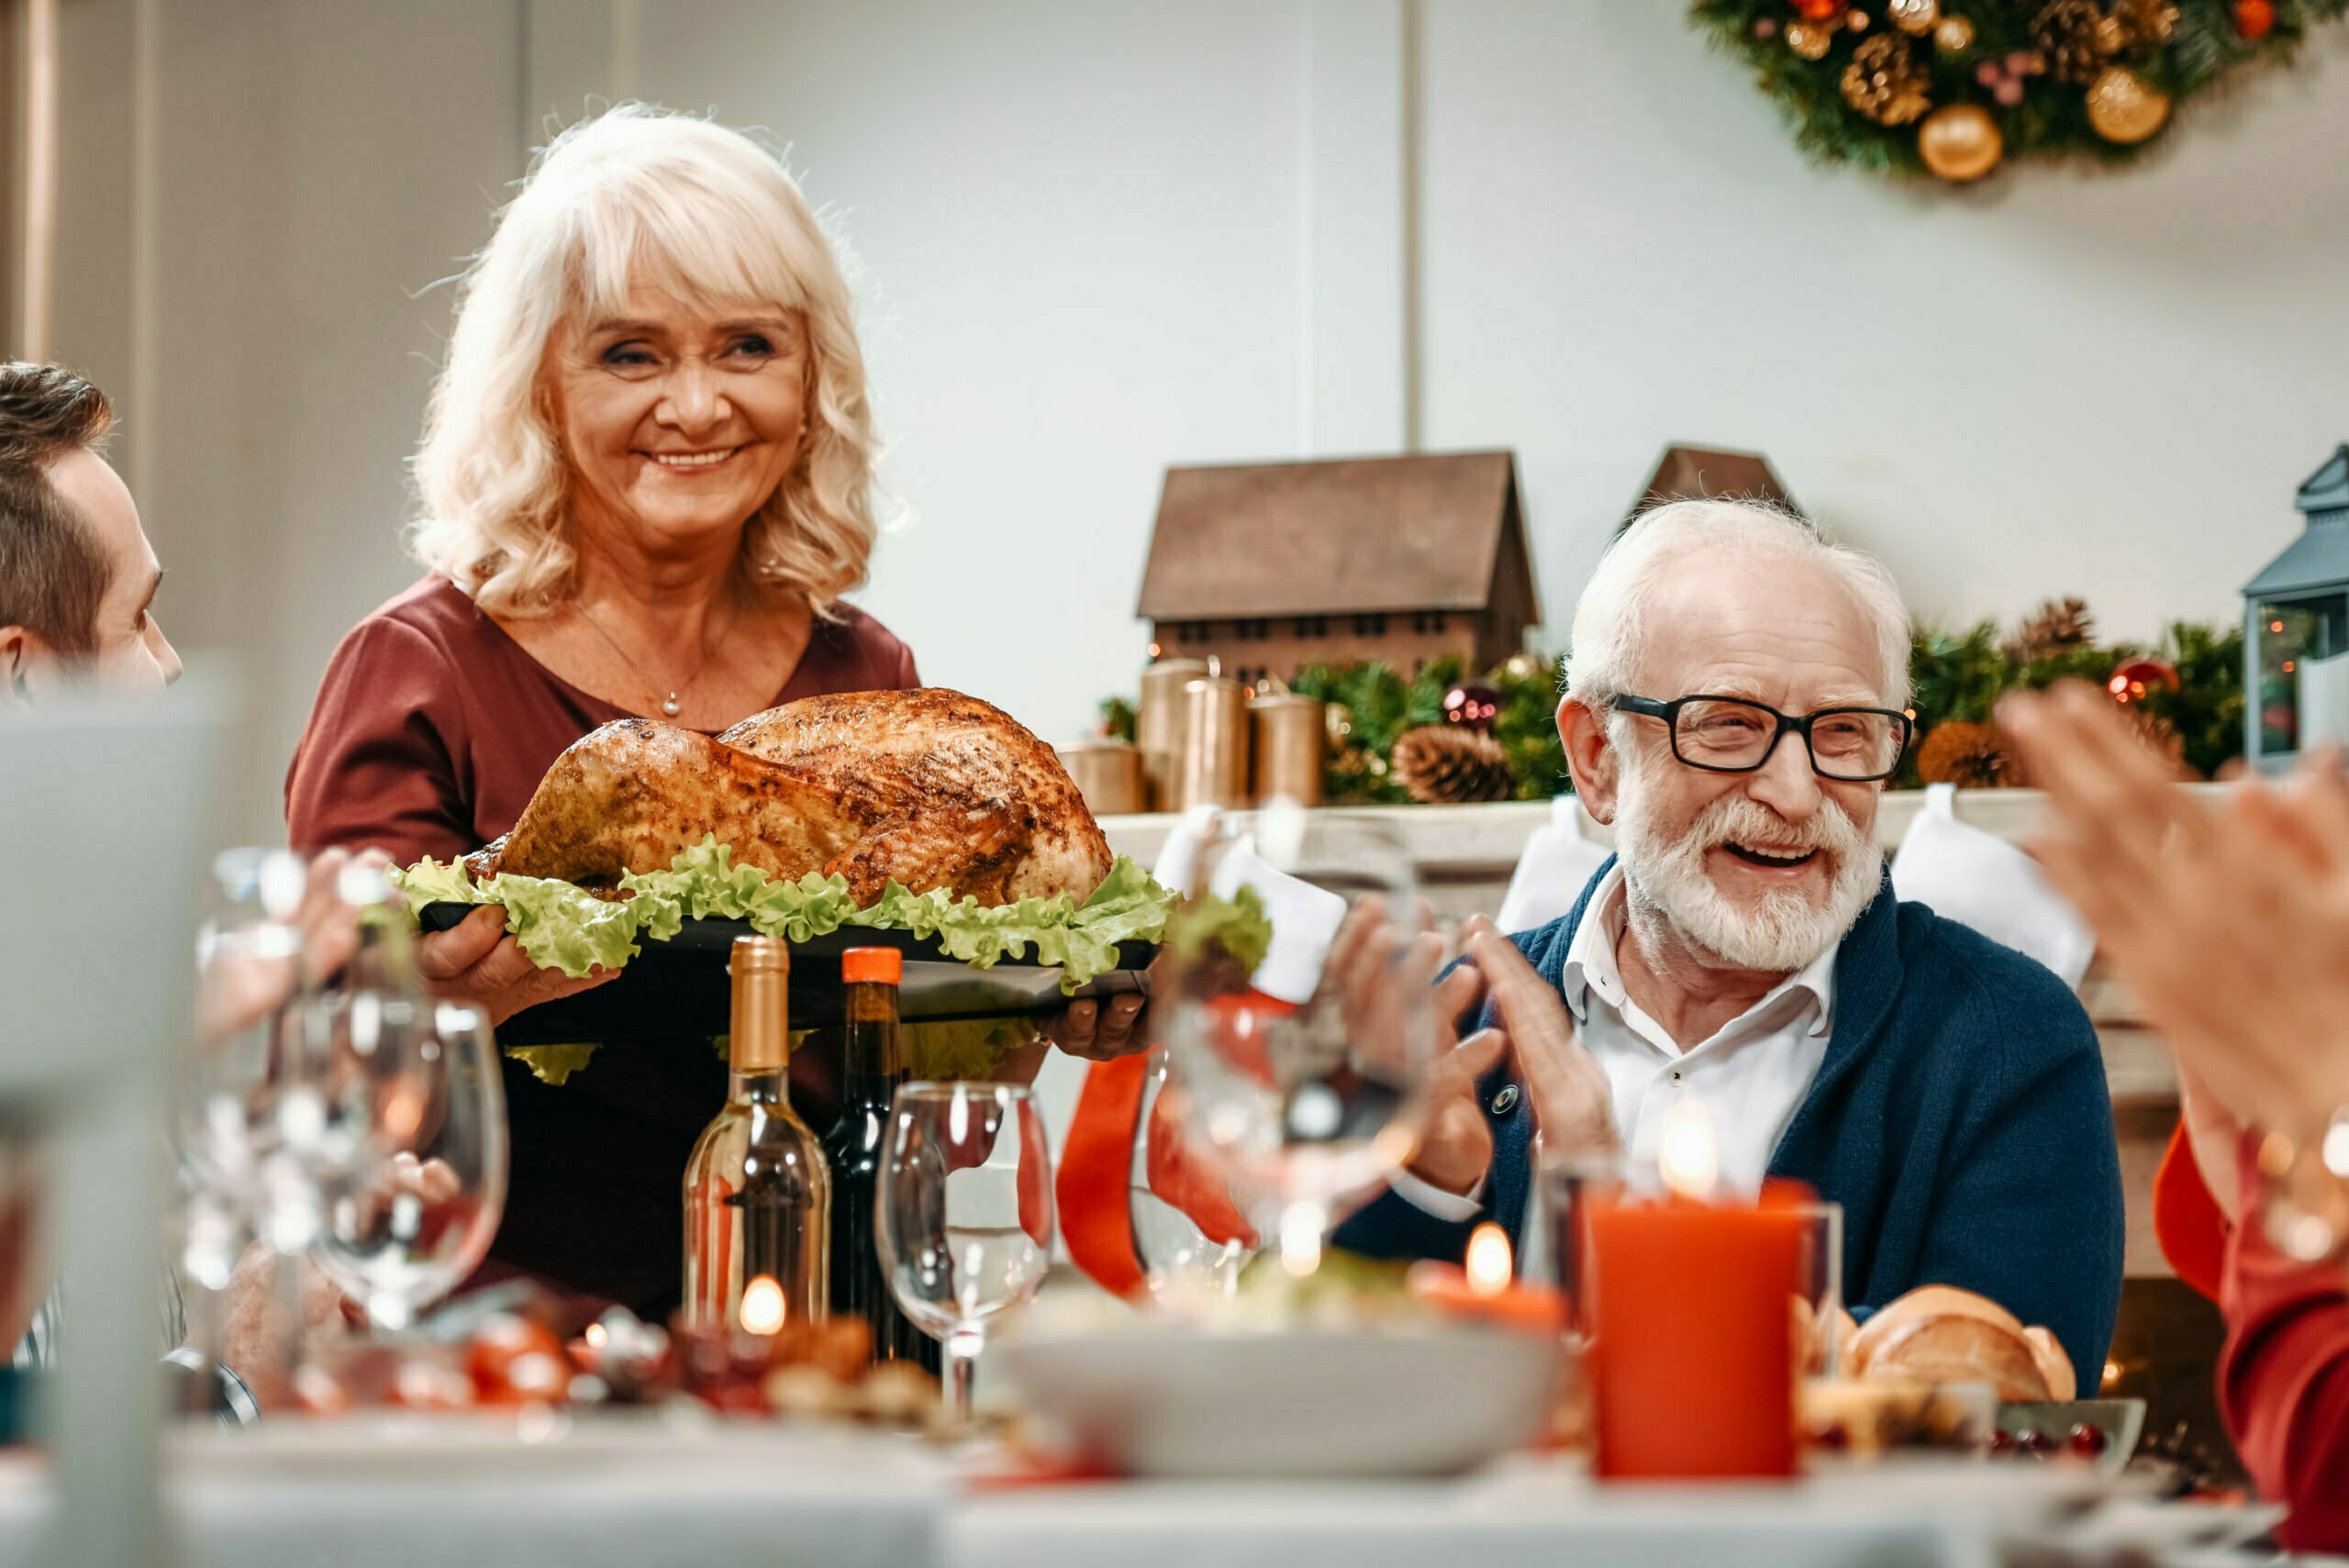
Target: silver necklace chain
[(673, 704)]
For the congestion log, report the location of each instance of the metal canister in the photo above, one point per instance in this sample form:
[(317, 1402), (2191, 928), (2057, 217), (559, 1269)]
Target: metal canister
[(1214, 760), (1289, 741), (1108, 773), (1158, 728)]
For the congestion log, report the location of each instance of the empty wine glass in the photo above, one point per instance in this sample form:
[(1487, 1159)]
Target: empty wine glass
[(963, 1220), (1190, 1238), (1296, 1067), (421, 1214), (228, 1109)]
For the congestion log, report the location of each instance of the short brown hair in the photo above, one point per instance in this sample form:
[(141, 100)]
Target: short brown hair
[(52, 575)]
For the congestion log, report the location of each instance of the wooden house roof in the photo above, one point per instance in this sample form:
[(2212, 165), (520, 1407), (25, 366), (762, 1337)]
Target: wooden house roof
[(1425, 532), (1685, 473)]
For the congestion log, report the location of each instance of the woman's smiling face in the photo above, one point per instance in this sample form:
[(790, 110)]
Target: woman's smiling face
[(679, 417)]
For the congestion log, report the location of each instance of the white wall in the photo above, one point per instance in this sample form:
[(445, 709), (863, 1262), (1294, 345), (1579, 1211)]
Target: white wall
[(2067, 382), (1099, 238)]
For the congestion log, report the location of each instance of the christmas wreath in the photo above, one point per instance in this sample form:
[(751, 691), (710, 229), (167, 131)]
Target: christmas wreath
[(1953, 87)]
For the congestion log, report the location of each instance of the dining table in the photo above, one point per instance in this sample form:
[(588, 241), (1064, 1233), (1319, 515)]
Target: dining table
[(650, 1489)]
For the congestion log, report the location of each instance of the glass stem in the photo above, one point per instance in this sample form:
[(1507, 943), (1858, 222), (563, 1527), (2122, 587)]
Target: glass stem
[(961, 1374)]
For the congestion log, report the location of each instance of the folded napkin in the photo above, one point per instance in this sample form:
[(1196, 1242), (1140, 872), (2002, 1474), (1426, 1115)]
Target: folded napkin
[(1979, 880), (1556, 864)]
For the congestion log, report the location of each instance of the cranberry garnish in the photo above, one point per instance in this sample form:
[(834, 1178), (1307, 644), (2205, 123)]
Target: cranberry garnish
[(2002, 1444), (2037, 1444), (2089, 1442)]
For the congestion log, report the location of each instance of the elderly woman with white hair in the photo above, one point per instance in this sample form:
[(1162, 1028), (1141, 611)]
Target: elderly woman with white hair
[(647, 479)]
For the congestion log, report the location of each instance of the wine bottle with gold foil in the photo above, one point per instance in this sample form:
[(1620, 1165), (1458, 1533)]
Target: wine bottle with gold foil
[(872, 1069), (758, 1195)]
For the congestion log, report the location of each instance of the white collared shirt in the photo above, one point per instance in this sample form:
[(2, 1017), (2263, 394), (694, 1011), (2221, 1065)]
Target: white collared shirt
[(1751, 1075)]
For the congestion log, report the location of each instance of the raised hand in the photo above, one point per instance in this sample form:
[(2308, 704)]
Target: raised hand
[(1574, 1107)]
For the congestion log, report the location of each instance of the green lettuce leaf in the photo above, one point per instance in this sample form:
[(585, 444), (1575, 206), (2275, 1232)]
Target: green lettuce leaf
[(566, 928), (1238, 924), (552, 1063)]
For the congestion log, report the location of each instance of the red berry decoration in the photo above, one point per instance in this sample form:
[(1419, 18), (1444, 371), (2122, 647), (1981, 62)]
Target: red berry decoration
[(2135, 677), (2254, 18), (1472, 704), (2002, 1444), (2089, 1442), (2036, 1443)]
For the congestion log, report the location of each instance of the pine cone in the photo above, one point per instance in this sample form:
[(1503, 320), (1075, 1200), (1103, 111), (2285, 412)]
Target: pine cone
[(1446, 765), (1885, 82), (1967, 755), (2076, 37), (2060, 624)]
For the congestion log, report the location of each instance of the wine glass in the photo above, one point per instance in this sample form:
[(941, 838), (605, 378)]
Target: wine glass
[(1189, 1237), (963, 1219), (421, 1216), (227, 1122), (1296, 1067)]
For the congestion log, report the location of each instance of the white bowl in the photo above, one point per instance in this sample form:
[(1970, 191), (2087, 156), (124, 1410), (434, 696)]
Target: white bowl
[(1163, 1402)]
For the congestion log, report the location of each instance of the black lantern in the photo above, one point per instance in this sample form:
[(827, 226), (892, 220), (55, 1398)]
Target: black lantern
[(2294, 612)]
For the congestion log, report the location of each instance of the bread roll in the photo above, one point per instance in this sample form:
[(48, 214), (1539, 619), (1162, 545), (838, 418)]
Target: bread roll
[(2054, 1364), (1925, 1302), (1959, 1348)]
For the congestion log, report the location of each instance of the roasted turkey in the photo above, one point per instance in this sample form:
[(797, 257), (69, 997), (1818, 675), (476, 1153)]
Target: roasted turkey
[(929, 788)]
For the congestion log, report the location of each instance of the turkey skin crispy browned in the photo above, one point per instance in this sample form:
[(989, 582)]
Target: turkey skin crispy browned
[(929, 788)]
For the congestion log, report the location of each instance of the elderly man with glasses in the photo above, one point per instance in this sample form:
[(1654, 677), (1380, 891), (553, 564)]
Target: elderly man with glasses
[(1735, 703)]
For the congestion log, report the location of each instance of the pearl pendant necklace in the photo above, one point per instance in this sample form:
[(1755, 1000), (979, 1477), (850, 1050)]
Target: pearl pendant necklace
[(673, 704)]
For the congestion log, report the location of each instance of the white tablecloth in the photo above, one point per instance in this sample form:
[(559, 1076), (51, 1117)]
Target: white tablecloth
[(710, 1497), (1529, 1515), (625, 1499)]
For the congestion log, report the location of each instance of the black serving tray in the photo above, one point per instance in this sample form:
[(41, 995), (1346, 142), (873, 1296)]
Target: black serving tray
[(681, 986)]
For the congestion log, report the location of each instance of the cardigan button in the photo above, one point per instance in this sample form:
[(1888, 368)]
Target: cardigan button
[(1506, 1101)]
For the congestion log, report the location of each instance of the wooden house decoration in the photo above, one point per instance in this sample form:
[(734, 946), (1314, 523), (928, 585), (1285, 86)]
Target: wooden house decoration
[(1271, 567), (1688, 473)]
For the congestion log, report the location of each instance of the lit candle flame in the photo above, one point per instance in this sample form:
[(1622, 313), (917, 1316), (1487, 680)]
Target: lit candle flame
[(1488, 1261), (1686, 1154), (762, 1308), (1301, 1226)]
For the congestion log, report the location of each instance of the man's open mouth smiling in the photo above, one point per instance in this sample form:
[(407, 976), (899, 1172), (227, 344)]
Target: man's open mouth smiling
[(1776, 859)]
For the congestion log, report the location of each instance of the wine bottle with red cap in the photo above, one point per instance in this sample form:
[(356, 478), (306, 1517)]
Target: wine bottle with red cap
[(872, 1068)]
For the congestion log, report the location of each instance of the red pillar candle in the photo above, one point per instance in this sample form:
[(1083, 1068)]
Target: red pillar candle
[(1691, 1356)]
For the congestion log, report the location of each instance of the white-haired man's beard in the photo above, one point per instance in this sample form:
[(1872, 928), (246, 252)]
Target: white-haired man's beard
[(1781, 930)]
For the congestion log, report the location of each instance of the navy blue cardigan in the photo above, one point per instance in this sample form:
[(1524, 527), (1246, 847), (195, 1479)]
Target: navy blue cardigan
[(1960, 1116)]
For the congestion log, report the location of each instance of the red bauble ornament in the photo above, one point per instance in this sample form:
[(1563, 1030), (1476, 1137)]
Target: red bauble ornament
[(1472, 704), (2254, 18), (2135, 677), (1820, 10)]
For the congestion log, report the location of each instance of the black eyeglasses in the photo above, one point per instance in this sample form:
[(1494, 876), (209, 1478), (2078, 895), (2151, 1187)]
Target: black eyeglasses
[(1730, 735)]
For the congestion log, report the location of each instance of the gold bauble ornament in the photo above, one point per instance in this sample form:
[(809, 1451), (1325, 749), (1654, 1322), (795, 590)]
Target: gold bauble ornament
[(1960, 142), (1809, 39), (1918, 16), (1955, 34), (1857, 20), (2124, 108)]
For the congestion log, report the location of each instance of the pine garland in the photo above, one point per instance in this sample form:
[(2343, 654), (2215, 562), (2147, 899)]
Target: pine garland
[(2205, 41)]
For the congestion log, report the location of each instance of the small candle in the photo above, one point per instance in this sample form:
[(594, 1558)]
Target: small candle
[(1692, 1368), (763, 1309), (1483, 1290)]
